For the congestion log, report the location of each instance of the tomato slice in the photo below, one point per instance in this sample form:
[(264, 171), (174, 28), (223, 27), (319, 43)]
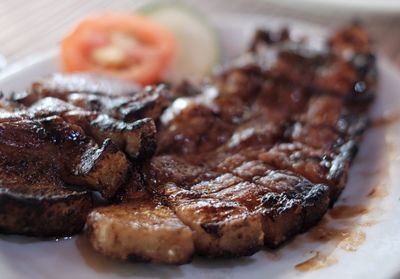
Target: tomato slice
[(123, 45)]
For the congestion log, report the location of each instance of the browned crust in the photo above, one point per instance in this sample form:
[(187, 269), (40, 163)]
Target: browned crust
[(104, 169), (286, 214), (54, 215), (137, 139)]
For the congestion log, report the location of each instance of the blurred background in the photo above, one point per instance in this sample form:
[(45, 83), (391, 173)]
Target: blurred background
[(32, 27)]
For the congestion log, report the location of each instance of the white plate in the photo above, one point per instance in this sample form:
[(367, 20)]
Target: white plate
[(376, 166)]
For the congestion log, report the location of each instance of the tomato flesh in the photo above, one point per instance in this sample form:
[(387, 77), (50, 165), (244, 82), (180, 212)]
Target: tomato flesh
[(123, 45)]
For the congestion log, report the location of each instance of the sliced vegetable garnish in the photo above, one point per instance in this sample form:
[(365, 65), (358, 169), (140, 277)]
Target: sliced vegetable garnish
[(124, 45), (198, 48)]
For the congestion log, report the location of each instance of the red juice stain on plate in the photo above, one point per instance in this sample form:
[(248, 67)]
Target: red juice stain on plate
[(325, 233), (352, 240), (348, 239), (316, 262), (378, 192), (347, 211)]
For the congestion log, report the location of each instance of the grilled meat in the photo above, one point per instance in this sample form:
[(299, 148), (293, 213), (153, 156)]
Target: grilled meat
[(38, 205), (259, 154), (316, 165), (249, 159), (101, 168), (117, 99), (141, 230), (137, 139), (62, 86), (259, 199), (222, 228), (34, 199), (54, 152)]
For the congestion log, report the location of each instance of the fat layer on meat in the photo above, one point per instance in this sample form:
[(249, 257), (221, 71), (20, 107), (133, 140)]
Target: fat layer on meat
[(141, 230)]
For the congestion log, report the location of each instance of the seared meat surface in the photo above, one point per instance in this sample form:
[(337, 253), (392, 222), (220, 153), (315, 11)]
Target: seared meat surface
[(44, 142), (53, 153), (118, 99), (47, 166), (260, 153), (250, 158)]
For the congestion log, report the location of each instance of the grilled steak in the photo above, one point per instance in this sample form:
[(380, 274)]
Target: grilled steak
[(55, 152), (260, 153), (250, 158)]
